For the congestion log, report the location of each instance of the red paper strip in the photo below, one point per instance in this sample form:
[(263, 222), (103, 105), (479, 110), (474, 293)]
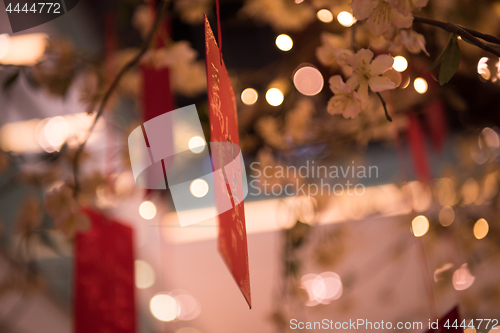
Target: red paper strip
[(157, 97), (224, 128), (104, 299), (452, 318), (437, 122), (417, 148)]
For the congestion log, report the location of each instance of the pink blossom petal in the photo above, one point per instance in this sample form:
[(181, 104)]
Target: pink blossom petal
[(378, 26), (353, 82), (381, 83), (401, 20), (361, 9), (362, 58), (338, 86), (363, 94), (353, 108), (381, 63), (334, 105)]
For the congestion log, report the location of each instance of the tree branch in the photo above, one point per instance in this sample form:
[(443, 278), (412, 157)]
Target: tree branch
[(486, 37), (463, 32), (131, 64), (384, 104)]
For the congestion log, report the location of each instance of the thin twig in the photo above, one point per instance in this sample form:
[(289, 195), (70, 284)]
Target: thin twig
[(131, 64), (486, 37), (463, 32), (384, 104)]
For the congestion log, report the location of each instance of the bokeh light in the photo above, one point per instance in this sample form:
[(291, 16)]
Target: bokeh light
[(446, 192), (400, 63), (490, 137), (481, 228), (324, 15), (274, 97), (346, 19), (26, 49), (189, 307), (4, 45), (56, 131), (147, 210), (199, 188), (284, 42), (249, 96), (462, 278), (145, 276), (164, 307), (308, 80), (421, 194), (322, 289), (470, 191), (197, 144), (446, 216), (482, 68), (420, 85), (490, 186), (405, 81), (420, 226)]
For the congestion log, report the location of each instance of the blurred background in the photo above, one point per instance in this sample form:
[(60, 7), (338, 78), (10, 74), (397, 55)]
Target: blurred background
[(422, 238)]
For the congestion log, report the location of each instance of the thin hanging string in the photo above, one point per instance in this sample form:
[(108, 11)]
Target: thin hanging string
[(219, 34)]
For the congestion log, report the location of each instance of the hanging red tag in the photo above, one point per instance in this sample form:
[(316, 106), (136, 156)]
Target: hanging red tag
[(437, 123), (450, 323), (157, 97), (104, 299), (416, 142), (224, 128)]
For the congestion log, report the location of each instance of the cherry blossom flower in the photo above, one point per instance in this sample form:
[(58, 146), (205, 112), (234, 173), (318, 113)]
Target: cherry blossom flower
[(59, 203), (407, 38), (143, 19), (192, 11), (282, 15), (412, 40), (188, 76), (332, 51), (369, 73), (345, 101), (65, 211), (405, 7), (381, 14), (394, 76)]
